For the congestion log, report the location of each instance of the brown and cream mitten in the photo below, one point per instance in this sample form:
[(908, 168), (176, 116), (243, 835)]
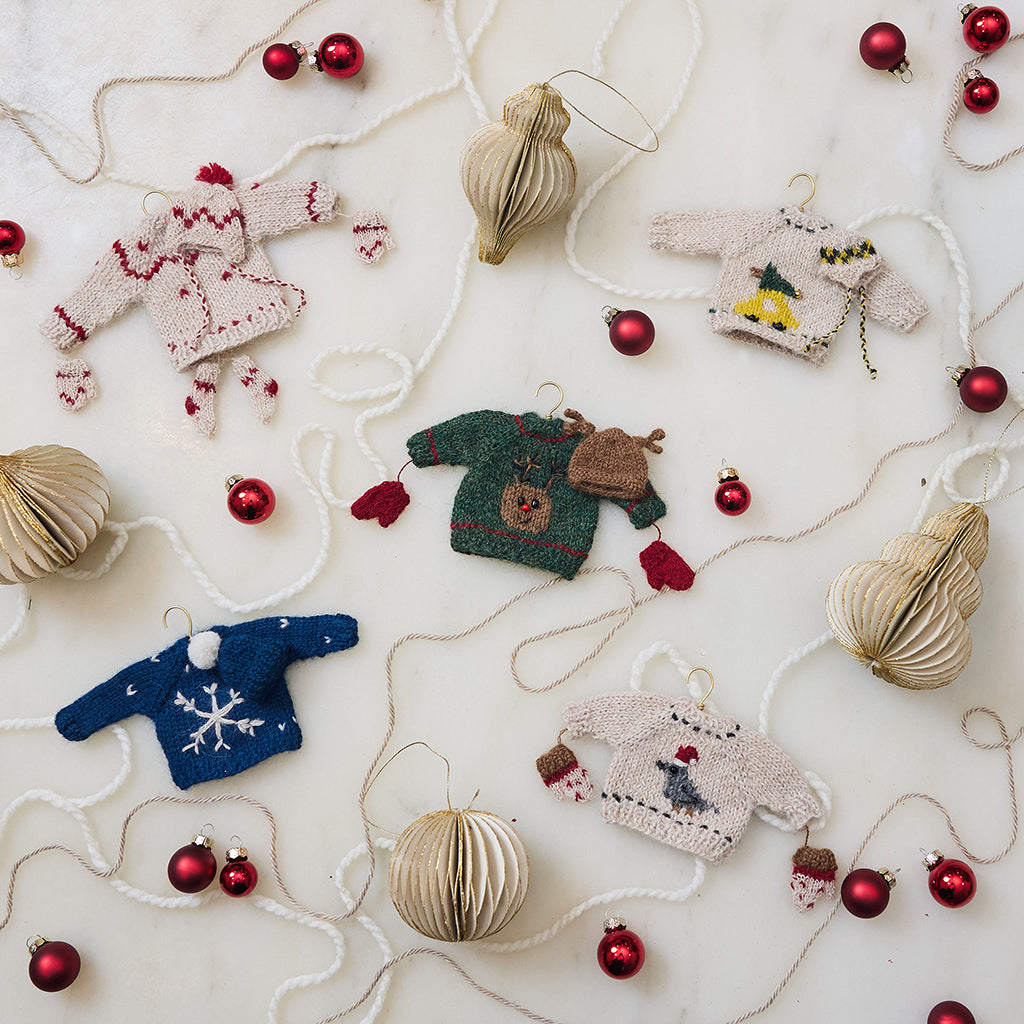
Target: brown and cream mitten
[(814, 876), (564, 775)]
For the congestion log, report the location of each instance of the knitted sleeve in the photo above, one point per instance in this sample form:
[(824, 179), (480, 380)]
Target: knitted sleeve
[(133, 691), (110, 288), (309, 636), (702, 232), (616, 717), (771, 780), (644, 510), (460, 441), (849, 259), (892, 301), (275, 207)]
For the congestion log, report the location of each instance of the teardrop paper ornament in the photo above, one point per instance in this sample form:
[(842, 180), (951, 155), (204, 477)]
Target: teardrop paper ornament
[(904, 616), (517, 172), (53, 502), (458, 875)]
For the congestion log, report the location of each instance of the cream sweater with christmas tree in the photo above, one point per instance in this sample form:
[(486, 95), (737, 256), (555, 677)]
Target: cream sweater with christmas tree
[(688, 777)]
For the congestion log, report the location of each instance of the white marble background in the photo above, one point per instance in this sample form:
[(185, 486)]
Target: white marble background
[(778, 88)]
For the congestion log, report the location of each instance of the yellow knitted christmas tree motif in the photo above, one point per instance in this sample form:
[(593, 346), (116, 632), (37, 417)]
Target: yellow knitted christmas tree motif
[(768, 304)]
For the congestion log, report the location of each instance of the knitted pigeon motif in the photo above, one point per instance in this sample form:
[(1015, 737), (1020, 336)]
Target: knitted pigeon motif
[(688, 777), (218, 699)]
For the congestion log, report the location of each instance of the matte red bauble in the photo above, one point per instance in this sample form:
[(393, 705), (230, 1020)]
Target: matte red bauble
[(732, 496), (865, 892), (193, 867), (949, 1011), (281, 61), (250, 500), (630, 331), (239, 876), (951, 882), (340, 55), (12, 241), (54, 965), (985, 28), (982, 388), (884, 47), (980, 94), (620, 953)]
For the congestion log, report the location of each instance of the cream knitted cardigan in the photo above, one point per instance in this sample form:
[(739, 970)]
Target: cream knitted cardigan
[(198, 268), (687, 777), (787, 275)]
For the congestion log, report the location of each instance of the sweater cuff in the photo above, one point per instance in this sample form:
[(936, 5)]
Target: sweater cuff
[(69, 726), (322, 202), (62, 330), (646, 510), (422, 449)]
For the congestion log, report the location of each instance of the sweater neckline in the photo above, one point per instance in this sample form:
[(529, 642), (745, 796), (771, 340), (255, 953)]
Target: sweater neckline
[(804, 221), (535, 425)]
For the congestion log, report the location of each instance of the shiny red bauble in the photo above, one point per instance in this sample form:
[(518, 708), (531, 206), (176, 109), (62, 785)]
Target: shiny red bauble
[(281, 61), (884, 47), (54, 965), (12, 241), (250, 500), (982, 389), (980, 94), (865, 892), (630, 331), (239, 876), (985, 28), (951, 882), (340, 55), (949, 1011), (193, 867), (620, 953), (732, 496)]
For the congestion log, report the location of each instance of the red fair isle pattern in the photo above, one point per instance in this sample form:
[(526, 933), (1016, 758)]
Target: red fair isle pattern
[(75, 385), (261, 387), (194, 216), (371, 235), (199, 403), (78, 331)]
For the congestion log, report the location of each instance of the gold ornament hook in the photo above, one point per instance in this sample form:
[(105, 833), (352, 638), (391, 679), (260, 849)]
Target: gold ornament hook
[(803, 174), (561, 395), (700, 705), (154, 192), (184, 611)]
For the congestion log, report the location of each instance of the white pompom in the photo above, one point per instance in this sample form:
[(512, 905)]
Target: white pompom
[(203, 649)]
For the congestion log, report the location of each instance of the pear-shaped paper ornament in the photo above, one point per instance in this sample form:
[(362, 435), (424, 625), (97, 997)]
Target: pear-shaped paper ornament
[(517, 172), (904, 616)]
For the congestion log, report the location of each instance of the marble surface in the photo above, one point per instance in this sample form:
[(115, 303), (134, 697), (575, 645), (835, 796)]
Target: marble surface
[(777, 89)]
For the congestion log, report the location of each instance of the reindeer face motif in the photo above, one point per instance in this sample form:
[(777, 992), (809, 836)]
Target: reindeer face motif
[(525, 506)]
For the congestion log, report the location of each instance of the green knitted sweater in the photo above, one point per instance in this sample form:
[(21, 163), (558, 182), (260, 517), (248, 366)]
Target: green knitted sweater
[(515, 502)]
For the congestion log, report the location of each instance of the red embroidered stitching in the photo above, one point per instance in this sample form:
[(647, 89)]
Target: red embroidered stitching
[(540, 437), (433, 449), (643, 497), (525, 540), (79, 331), (309, 201)]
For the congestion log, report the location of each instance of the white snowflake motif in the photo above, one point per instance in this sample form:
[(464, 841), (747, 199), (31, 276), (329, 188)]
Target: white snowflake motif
[(215, 718)]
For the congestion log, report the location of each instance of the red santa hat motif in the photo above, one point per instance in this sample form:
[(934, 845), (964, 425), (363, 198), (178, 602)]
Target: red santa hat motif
[(686, 755)]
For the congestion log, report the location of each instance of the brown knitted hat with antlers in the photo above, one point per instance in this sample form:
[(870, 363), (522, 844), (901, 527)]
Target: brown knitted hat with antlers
[(610, 463)]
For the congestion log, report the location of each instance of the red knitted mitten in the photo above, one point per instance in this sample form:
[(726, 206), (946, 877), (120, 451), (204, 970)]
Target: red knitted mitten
[(665, 568), (75, 385), (385, 502)]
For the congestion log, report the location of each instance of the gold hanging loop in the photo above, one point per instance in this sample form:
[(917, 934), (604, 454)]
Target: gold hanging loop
[(184, 611), (561, 395), (803, 174), (154, 192), (700, 705), (597, 124), (447, 778)]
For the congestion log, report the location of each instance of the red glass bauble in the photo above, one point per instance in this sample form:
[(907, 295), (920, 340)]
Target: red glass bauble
[(883, 46), (951, 882), (983, 389), (949, 1011), (250, 500), (980, 95), (54, 965), (239, 876), (280, 61), (631, 332), (985, 28), (732, 496), (193, 867), (340, 55), (865, 892), (12, 237), (620, 953)]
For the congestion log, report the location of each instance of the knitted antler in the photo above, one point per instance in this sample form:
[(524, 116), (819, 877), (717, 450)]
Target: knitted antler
[(581, 426), (648, 442)]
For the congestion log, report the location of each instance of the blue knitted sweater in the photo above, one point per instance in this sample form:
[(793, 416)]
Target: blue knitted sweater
[(219, 698)]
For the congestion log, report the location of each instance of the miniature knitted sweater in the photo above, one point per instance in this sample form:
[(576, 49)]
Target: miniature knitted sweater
[(685, 776), (515, 502), (787, 276), (198, 268), (218, 699)]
